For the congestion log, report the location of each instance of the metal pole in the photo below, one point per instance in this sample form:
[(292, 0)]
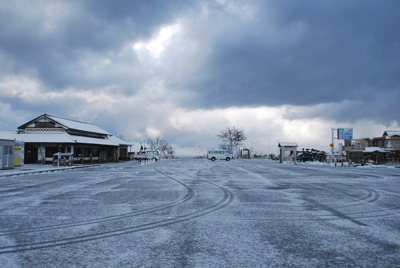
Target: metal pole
[(333, 147)]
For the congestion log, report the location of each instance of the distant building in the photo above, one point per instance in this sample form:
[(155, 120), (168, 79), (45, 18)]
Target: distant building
[(134, 149), (360, 144), (48, 134), (383, 149), (393, 139), (288, 151)]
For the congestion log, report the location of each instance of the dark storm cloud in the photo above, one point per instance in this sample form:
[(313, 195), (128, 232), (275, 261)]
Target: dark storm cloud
[(94, 26), (342, 48)]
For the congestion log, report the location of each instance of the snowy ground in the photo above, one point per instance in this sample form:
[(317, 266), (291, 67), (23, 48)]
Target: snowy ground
[(198, 213)]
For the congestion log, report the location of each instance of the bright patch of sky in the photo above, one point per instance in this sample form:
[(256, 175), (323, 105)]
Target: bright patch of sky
[(159, 41)]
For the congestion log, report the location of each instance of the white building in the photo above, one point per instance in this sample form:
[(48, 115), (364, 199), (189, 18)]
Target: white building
[(48, 134)]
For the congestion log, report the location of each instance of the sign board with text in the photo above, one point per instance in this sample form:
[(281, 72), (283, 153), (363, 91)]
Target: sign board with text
[(345, 133), (19, 147)]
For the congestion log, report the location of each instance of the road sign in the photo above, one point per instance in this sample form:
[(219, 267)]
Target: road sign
[(331, 145), (345, 133)]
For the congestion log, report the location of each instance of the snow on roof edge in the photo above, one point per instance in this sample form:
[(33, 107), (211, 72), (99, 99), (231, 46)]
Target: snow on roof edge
[(288, 144)]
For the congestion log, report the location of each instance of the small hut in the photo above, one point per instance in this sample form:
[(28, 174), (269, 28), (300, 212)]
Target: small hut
[(245, 153), (288, 151)]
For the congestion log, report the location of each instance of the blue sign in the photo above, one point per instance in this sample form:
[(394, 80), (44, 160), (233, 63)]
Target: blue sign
[(345, 133)]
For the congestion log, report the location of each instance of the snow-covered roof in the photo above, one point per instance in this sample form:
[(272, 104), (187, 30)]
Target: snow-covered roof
[(373, 149), (134, 147), (56, 137), (146, 145), (73, 124), (391, 133), (118, 140), (89, 140), (6, 140), (64, 137), (8, 135), (287, 144)]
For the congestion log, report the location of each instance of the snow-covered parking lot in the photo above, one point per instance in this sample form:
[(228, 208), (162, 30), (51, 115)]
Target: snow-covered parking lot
[(198, 213)]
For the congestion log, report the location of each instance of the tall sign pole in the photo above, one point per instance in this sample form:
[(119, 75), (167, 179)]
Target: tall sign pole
[(344, 134), (333, 146)]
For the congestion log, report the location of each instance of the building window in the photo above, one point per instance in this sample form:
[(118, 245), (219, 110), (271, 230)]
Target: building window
[(7, 150)]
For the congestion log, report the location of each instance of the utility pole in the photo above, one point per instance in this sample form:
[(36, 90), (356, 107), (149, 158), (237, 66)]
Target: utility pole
[(333, 146)]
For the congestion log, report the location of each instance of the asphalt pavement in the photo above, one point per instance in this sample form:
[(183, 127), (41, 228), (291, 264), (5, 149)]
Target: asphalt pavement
[(199, 213)]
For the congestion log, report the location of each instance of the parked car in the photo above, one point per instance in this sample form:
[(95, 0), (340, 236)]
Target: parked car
[(220, 155)]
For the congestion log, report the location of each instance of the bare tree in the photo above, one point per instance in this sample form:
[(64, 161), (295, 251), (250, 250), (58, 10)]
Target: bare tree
[(225, 146), (154, 143), (170, 152), (231, 138), (161, 145)]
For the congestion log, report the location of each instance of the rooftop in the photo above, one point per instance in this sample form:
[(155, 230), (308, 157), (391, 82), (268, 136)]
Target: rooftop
[(69, 124), (73, 124), (287, 144), (392, 133)]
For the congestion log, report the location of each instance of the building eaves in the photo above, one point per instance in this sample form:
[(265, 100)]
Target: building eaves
[(59, 137), (56, 137), (89, 140), (119, 141), (8, 135)]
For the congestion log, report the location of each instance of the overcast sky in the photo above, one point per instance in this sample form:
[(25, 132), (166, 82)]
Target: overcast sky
[(185, 70)]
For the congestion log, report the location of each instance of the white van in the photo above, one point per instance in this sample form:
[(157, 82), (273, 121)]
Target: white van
[(221, 155), (147, 155)]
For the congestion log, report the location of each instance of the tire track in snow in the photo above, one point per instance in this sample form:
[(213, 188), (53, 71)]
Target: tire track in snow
[(364, 202), (189, 195), (227, 198)]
